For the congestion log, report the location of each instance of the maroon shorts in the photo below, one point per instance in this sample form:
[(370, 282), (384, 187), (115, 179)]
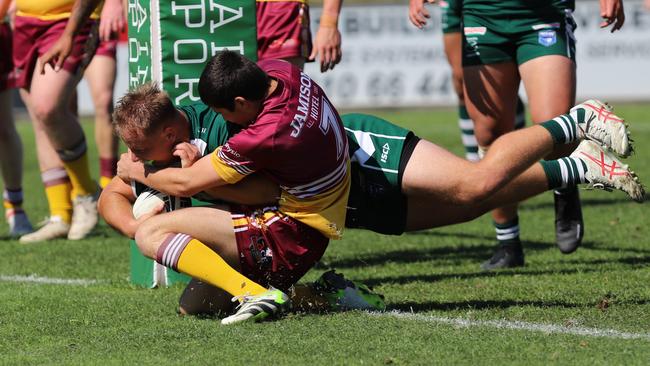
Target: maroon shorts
[(282, 30), (6, 63), (33, 37), (107, 48), (275, 249)]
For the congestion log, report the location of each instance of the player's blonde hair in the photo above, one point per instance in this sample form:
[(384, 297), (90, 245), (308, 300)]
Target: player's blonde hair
[(143, 110)]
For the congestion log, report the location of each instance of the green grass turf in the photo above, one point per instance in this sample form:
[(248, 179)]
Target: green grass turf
[(434, 273)]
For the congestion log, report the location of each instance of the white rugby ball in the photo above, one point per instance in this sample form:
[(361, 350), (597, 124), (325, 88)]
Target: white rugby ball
[(148, 201)]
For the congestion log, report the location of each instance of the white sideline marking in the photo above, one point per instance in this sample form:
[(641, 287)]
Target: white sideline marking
[(48, 280), (517, 325)]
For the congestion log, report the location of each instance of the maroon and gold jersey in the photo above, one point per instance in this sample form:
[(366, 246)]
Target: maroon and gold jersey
[(299, 142)]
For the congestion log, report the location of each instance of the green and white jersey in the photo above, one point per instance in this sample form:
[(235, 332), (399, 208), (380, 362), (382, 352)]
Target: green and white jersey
[(516, 8), (208, 129), (376, 145)]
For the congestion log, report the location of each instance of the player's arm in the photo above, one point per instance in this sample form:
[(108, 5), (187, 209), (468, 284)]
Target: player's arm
[(255, 189), (612, 13), (418, 14), (112, 19), (327, 44), (59, 52), (182, 182), (115, 205)]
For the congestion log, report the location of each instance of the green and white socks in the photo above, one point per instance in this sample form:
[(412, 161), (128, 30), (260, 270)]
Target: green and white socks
[(508, 232), (564, 172), (565, 129)]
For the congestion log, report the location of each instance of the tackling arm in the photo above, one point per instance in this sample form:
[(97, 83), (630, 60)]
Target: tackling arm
[(183, 182)]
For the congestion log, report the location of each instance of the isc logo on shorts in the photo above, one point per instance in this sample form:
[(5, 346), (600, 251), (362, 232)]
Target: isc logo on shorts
[(547, 37)]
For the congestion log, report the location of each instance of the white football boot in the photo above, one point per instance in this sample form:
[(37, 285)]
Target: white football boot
[(605, 171), (84, 215), (52, 228), (18, 222), (598, 123)]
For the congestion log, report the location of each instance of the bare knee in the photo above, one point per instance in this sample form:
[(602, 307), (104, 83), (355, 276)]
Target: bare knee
[(149, 237), (103, 105), (46, 113)]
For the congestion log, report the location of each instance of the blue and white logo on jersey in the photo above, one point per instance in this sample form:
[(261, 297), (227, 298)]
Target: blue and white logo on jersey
[(547, 37)]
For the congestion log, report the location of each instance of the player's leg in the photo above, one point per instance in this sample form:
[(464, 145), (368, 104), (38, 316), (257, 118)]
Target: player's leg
[(491, 95), (201, 242), (453, 45), (56, 182), (207, 232), (100, 76), (67, 138), (434, 172), (549, 76), (11, 165), (590, 163)]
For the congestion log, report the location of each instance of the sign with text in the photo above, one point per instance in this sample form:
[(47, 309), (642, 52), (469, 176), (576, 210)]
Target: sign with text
[(170, 41), (387, 62)]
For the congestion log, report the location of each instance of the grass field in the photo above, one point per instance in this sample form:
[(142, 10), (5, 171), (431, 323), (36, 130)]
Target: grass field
[(71, 302)]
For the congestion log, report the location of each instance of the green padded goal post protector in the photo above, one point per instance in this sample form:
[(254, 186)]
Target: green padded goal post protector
[(169, 43)]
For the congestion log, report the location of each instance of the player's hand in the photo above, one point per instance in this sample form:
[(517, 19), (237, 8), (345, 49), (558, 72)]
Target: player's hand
[(418, 14), (112, 19), (327, 47), (154, 212), (612, 12), (128, 166), (188, 154), (57, 54)]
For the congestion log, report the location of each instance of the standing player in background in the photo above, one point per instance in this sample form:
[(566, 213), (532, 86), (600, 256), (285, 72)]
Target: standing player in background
[(453, 41), (283, 33), (60, 141), (11, 147), (531, 41), (100, 75)]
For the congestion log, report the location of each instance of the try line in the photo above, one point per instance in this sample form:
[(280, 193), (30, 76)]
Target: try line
[(515, 325), (457, 322)]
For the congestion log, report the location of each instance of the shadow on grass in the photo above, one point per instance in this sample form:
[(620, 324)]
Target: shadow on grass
[(401, 280), (613, 200), (416, 307), (631, 261), (614, 249), (476, 253)]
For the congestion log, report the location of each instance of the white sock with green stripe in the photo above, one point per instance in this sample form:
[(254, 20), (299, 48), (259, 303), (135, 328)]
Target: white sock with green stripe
[(467, 134), (508, 232), (564, 172)]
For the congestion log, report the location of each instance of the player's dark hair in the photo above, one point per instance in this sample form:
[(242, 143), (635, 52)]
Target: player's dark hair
[(143, 110), (228, 75)]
